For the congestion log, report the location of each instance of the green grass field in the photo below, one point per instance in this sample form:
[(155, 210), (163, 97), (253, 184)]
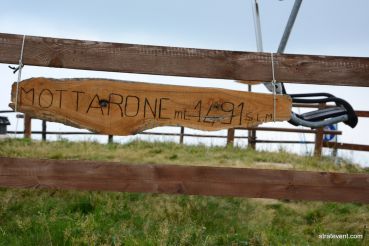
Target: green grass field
[(55, 217)]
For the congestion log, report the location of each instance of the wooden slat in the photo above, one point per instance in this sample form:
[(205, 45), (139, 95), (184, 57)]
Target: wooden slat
[(348, 146), (141, 133), (362, 114), (285, 141), (292, 130), (272, 129), (190, 180), (203, 63)]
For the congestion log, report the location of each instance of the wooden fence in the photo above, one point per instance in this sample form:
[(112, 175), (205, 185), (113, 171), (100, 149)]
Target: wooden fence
[(27, 133), (201, 63), (319, 144)]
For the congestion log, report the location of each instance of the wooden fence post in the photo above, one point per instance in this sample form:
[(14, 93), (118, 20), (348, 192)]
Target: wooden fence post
[(110, 139), (251, 137), (230, 137), (44, 128), (318, 142), (181, 135), (319, 137), (27, 126)]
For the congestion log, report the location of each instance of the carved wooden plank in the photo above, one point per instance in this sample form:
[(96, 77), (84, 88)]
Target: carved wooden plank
[(190, 180), (123, 108), (161, 60)]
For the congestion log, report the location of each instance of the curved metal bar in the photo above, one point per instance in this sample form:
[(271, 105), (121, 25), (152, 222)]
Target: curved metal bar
[(317, 124)]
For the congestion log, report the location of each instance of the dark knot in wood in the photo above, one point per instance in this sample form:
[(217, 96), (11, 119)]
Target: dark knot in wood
[(56, 61), (103, 103)]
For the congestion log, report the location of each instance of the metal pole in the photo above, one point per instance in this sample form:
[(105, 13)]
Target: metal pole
[(257, 26), (44, 130), (259, 42), (283, 44), (259, 47), (279, 87), (290, 23)]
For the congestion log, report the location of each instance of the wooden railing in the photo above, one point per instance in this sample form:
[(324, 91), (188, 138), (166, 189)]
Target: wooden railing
[(200, 63)]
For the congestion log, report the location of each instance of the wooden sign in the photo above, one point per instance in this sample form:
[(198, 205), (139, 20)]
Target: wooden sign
[(124, 108)]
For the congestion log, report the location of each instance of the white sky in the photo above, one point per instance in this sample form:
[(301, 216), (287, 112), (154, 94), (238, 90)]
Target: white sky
[(330, 27)]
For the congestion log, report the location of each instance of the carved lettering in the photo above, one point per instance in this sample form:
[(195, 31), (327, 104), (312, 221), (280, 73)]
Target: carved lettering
[(60, 97), (178, 114), (44, 98), (268, 117), (132, 102), (118, 103), (26, 92), (77, 98), (161, 108), (147, 105), (249, 116), (228, 107), (97, 103)]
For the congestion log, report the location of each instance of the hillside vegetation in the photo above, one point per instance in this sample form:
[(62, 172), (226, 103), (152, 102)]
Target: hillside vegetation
[(55, 217)]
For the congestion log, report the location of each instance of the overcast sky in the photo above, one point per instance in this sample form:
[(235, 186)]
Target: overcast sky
[(330, 27)]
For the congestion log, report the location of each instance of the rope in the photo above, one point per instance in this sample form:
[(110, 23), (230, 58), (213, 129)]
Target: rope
[(274, 88), (20, 67)]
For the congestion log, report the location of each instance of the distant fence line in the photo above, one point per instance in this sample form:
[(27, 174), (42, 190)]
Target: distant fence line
[(252, 141)]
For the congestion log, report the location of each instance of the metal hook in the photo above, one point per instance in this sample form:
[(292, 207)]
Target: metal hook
[(15, 69)]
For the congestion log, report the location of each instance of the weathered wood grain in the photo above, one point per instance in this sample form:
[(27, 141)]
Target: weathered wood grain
[(190, 180), (124, 108), (362, 114), (348, 146), (160, 60)]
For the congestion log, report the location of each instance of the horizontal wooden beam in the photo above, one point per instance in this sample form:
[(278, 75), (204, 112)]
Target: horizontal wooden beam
[(364, 114), (291, 130), (269, 129), (348, 146), (202, 63), (190, 180), (284, 142), (141, 133)]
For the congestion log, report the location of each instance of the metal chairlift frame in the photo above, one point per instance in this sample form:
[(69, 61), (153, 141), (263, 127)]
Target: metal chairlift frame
[(341, 112)]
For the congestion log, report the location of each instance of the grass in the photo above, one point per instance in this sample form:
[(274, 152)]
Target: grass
[(55, 217)]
